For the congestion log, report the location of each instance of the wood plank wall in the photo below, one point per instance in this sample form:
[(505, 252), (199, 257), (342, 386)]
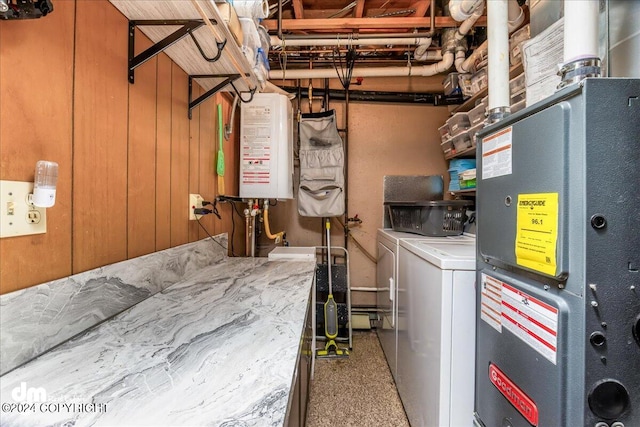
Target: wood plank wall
[(128, 154)]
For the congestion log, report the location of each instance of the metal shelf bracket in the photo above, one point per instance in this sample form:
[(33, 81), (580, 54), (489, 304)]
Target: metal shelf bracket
[(187, 27), (227, 78)]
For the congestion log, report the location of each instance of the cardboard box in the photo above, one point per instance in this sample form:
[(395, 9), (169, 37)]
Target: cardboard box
[(230, 18)]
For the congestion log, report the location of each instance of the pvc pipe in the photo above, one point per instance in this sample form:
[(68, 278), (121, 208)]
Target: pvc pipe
[(336, 40), (330, 73), (466, 65), (421, 53), (470, 21), (580, 29), (461, 10), (516, 15), (498, 36)]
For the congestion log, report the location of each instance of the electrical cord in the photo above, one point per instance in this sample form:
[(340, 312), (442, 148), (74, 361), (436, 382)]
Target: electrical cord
[(347, 67), (212, 238), (233, 222), (214, 210)]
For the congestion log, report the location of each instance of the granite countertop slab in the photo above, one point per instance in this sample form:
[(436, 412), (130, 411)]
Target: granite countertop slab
[(36, 319), (217, 349)]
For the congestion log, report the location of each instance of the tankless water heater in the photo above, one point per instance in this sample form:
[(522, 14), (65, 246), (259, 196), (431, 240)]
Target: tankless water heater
[(266, 147)]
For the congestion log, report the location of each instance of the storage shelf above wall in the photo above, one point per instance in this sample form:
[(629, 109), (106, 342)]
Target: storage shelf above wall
[(185, 52), (471, 102)]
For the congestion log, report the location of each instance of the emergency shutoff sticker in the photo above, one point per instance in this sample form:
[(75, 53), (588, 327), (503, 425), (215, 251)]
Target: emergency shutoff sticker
[(537, 232)]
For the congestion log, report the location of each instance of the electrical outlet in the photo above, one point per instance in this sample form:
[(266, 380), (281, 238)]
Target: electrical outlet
[(195, 202), (18, 215)]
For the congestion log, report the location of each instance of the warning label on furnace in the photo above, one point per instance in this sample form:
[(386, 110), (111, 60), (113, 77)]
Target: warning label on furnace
[(537, 232), (491, 302), (533, 321), (256, 145), (496, 154), (530, 319)]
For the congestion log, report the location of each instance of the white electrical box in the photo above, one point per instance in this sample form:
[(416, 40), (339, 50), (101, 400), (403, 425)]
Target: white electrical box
[(266, 151)]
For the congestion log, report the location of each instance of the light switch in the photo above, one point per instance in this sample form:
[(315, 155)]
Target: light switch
[(18, 216)]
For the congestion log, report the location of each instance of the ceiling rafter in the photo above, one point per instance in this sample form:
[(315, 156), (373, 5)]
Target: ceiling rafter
[(421, 7), (359, 10), (298, 9)]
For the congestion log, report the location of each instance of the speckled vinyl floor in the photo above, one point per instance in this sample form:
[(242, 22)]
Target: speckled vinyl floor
[(358, 391)]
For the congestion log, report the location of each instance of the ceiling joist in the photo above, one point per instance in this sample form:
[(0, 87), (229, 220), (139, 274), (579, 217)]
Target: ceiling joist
[(364, 23)]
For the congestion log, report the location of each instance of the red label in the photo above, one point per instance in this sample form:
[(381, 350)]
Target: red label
[(514, 395)]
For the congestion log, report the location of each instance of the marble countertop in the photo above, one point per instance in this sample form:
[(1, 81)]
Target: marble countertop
[(218, 349)]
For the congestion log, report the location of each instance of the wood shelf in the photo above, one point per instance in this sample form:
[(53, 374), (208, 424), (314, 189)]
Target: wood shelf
[(184, 52), (467, 152), (468, 191), (471, 102)]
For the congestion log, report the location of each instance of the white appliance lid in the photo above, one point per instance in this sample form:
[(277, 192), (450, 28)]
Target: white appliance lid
[(447, 255), (394, 237)]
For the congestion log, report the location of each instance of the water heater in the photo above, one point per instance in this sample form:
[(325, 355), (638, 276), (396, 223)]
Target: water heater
[(266, 151)]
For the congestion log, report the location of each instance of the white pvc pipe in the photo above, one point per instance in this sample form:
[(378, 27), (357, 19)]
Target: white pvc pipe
[(330, 73), (470, 21), (580, 29), (335, 41), (429, 55), (466, 65), (461, 10), (516, 15), (498, 36), (421, 53)]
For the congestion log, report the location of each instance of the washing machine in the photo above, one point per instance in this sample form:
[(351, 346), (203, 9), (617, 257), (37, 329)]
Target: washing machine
[(390, 320), (436, 330)]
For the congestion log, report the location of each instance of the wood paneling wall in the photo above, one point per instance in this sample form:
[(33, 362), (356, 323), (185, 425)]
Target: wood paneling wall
[(36, 101), (128, 154)]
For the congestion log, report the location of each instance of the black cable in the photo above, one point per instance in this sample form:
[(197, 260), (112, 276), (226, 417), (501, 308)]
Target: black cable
[(233, 230), (345, 72), (212, 238)]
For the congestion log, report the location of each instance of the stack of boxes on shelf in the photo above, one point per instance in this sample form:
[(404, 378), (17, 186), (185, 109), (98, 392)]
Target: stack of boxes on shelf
[(517, 85), (458, 134), (516, 41), (462, 174)]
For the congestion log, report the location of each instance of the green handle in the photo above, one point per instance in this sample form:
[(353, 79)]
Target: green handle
[(220, 162)]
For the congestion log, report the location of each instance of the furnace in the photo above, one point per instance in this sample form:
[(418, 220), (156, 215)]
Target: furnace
[(558, 298)]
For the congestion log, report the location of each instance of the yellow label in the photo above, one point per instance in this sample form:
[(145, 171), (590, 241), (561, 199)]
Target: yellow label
[(537, 232)]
